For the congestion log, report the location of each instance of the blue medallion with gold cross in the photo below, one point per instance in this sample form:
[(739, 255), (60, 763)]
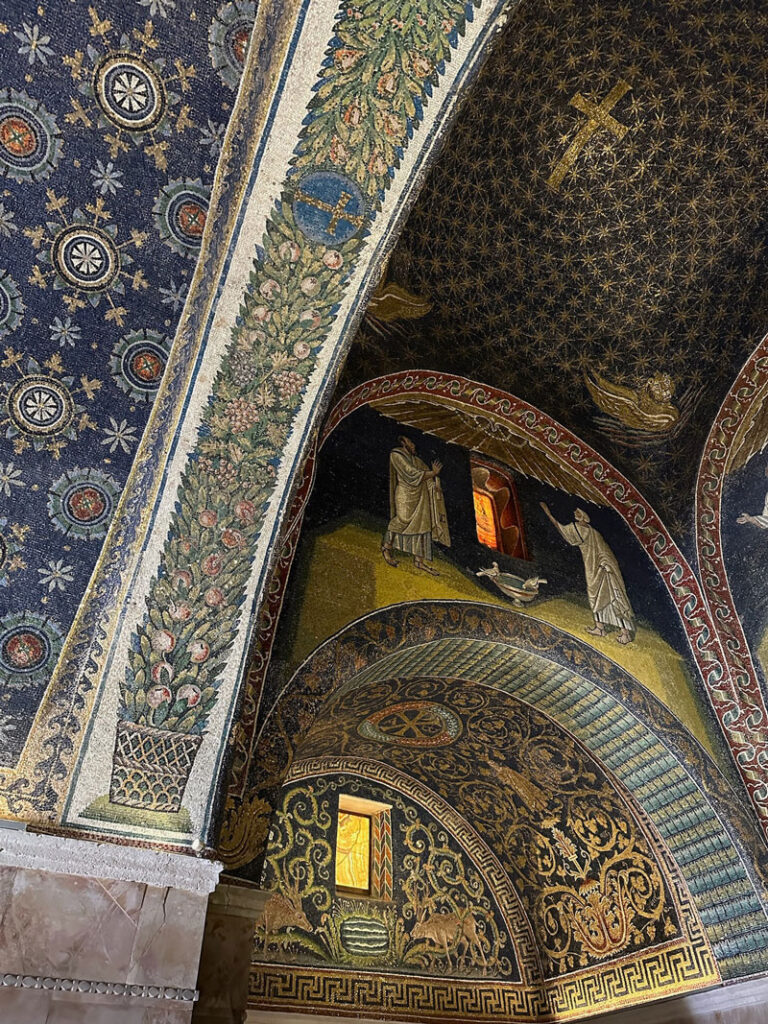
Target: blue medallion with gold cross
[(328, 207)]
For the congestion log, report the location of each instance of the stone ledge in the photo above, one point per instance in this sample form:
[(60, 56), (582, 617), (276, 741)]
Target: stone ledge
[(237, 900), (38, 851)]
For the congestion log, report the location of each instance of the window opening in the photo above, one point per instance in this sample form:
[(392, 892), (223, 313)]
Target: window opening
[(364, 848), (353, 853), (498, 519)]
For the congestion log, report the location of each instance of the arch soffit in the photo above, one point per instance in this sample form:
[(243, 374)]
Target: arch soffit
[(382, 641), (442, 772), (483, 411), (740, 723), (739, 432)]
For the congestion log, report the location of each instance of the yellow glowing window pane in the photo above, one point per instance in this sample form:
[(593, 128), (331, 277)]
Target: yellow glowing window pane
[(485, 520), (353, 851)]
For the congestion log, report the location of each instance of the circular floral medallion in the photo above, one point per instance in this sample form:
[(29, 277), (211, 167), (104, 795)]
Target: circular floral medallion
[(11, 306), (30, 142), (138, 363), (29, 646), (129, 92), (328, 207), (81, 503), (40, 405), (414, 723), (85, 257), (228, 39), (180, 213)]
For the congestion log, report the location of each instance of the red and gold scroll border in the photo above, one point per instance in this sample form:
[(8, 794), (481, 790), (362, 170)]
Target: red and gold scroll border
[(749, 724), (741, 723)]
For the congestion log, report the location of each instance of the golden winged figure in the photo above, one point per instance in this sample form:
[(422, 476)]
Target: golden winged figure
[(646, 408), (391, 302), (391, 306)]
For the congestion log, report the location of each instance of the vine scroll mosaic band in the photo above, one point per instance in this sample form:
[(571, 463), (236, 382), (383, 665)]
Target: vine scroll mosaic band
[(728, 435), (236, 456)]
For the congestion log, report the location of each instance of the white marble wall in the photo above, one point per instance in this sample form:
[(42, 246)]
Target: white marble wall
[(86, 928), (20, 1007), (101, 950)]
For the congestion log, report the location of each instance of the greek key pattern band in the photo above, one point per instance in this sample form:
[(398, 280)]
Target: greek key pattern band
[(666, 972)]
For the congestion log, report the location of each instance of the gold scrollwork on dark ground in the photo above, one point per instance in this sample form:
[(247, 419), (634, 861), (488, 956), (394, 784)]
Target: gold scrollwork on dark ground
[(443, 917), (586, 871), (285, 720), (612, 920)]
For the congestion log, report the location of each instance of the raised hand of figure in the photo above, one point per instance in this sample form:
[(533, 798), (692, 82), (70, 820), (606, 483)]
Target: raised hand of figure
[(436, 467), (744, 518)]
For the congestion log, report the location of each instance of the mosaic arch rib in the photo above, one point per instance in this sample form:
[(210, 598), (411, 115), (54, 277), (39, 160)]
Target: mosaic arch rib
[(726, 437), (424, 383), (233, 458), (35, 789), (90, 269), (243, 731), (741, 723)]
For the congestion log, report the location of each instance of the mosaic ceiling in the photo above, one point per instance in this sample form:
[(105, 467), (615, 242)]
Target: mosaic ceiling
[(111, 122), (592, 238)]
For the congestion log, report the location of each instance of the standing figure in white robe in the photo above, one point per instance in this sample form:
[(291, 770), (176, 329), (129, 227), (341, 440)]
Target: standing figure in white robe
[(762, 520), (416, 508), (606, 592)]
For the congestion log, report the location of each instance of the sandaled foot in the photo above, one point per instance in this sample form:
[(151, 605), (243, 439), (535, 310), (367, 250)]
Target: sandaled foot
[(597, 631), (426, 568), (624, 637), (386, 554)]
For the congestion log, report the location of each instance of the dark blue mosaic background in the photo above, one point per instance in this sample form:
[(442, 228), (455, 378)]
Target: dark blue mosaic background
[(112, 117)]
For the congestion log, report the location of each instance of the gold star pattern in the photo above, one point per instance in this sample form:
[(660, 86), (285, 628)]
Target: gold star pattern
[(650, 257), (127, 91), (81, 256)]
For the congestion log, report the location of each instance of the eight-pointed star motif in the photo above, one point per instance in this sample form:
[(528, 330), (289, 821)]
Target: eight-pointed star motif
[(87, 257)]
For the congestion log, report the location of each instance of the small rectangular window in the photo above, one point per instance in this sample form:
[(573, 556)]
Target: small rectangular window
[(364, 848), (486, 520), (498, 517)]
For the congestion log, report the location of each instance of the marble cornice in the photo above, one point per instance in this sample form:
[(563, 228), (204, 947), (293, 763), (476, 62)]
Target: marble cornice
[(61, 855)]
